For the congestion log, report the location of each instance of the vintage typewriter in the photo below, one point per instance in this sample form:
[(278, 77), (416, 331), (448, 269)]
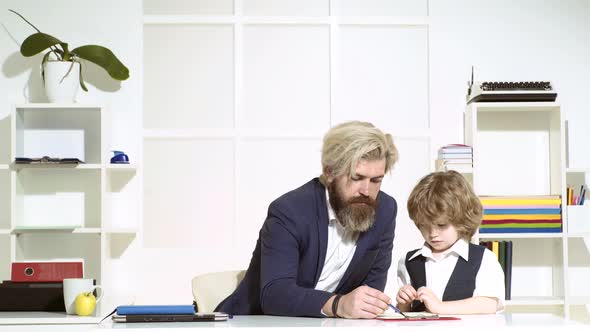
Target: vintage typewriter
[(509, 91)]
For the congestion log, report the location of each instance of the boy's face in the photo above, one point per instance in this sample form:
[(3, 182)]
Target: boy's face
[(440, 235)]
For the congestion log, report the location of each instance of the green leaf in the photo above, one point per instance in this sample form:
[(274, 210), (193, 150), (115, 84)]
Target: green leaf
[(82, 80), (37, 42), (104, 58)]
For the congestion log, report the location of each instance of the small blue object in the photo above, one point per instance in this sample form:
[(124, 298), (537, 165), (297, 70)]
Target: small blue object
[(155, 310), (119, 158)]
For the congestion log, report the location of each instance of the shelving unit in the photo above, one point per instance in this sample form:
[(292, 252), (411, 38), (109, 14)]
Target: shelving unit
[(577, 233), (62, 211), (519, 149)]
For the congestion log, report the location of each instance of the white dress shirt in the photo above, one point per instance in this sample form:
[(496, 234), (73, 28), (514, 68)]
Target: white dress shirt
[(341, 248), (489, 281)]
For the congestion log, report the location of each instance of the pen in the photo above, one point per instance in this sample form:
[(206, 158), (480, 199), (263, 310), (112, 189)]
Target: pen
[(398, 311)]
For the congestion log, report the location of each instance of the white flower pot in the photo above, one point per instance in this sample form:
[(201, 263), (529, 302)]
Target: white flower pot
[(61, 86)]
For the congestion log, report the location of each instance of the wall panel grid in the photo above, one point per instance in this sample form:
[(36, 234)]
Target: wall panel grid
[(257, 86)]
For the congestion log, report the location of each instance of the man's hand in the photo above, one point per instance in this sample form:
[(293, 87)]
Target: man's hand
[(405, 296), (363, 302), (432, 303)]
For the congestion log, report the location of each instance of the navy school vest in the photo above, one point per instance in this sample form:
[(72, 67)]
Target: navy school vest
[(461, 283)]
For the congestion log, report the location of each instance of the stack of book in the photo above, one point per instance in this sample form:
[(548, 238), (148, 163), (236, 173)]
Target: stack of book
[(38, 285), (163, 313), (457, 157), (503, 252), (521, 214)]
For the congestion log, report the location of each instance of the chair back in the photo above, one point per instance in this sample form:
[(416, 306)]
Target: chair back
[(211, 288)]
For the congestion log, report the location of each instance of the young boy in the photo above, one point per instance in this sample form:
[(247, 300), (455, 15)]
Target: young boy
[(448, 275)]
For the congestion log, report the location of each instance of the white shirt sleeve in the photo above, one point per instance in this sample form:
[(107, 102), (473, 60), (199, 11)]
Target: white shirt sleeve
[(489, 281), (403, 276)]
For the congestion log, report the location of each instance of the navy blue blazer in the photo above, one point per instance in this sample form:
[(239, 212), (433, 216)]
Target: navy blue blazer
[(290, 253)]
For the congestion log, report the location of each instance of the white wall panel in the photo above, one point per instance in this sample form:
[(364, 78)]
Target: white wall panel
[(381, 7), (413, 164), (188, 193), (286, 7), (286, 77), (5, 268), (5, 138), (188, 7), (267, 170), (382, 77), (188, 76), (4, 199)]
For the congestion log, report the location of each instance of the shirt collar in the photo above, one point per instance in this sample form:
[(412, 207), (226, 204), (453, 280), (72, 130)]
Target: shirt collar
[(331, 213), (461, 248)]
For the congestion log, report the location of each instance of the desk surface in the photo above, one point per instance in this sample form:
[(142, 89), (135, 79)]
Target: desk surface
[(512, 321)]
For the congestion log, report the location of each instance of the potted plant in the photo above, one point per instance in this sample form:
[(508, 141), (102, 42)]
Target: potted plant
[(61, 68)]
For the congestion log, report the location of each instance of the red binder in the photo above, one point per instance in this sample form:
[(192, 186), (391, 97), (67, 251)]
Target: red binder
[(46, 271)]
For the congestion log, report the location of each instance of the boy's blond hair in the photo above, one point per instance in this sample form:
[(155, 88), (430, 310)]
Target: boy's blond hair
[(449, 196), (347, 143)]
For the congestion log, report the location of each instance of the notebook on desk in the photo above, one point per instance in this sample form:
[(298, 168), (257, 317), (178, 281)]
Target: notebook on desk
[(153, 318), (413, 316)]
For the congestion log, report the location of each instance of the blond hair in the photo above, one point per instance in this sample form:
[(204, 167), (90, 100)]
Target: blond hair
[(347, 143), (446, 195)]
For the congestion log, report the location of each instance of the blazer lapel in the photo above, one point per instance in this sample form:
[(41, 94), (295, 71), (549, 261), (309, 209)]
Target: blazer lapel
[(322, 226)]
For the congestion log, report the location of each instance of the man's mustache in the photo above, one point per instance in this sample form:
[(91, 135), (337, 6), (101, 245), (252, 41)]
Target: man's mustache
[(363, 200)]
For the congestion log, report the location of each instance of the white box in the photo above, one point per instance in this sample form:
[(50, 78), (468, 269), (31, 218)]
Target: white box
[(578, 219)]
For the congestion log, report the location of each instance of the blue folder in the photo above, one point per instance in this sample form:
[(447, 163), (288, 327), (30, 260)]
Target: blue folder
[(521, 211), (156, 310)]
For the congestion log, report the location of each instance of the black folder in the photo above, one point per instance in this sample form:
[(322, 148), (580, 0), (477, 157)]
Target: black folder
[(32, 296)]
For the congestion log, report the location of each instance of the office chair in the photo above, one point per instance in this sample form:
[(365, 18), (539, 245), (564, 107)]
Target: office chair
[(211, 288)]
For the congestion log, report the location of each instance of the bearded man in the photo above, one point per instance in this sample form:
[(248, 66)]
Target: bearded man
[(325, 248)]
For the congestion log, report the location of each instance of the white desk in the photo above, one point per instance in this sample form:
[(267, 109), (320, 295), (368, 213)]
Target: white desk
[(507, 321)]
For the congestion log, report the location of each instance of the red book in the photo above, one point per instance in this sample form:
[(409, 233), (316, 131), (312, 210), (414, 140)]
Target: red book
[(46, 271)]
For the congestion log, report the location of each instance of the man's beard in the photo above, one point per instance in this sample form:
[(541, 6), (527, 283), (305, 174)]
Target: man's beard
[(356, 214)]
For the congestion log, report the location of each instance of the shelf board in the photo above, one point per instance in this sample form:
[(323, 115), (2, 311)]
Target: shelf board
[(578, 300), (121, 230), (121, 167), (535, 300), (577, 170), (56, 166), (39, 317), (517, 106), (4, 166), (576, 235), (78, 230), (39, 106), (5, 231), (519, 235)]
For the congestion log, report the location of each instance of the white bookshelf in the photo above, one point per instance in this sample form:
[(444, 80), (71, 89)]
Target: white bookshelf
[(57, 206), (520, 235), (38, 318), (58, 166), (121, 167), (519, 149), (77, 230)]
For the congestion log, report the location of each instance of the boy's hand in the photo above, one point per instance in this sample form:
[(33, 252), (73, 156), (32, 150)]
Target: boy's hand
[(406, 295), (431, 301)]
